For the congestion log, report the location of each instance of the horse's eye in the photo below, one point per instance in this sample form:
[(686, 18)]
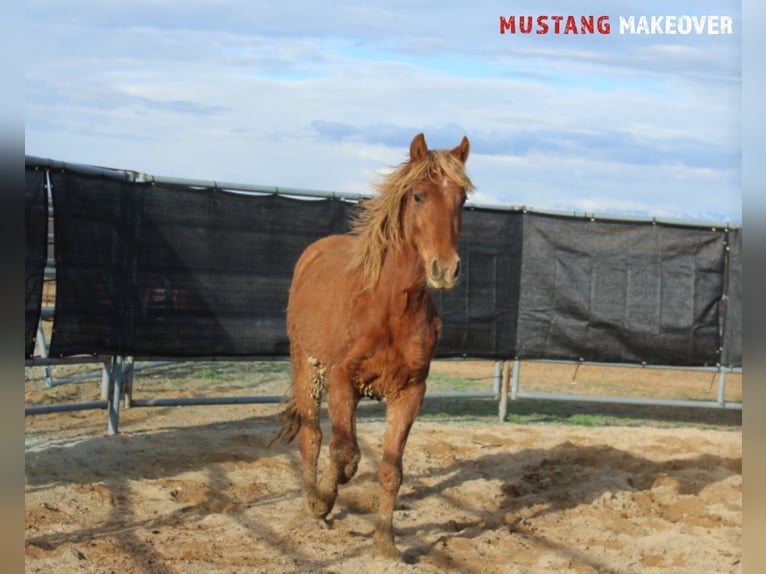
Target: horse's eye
[(418, 197)]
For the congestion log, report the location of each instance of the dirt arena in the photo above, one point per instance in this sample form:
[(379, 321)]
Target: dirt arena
[(196, 490)]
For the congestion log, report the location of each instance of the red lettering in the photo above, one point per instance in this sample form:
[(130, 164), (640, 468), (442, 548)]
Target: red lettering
[(570, 26), (528, 21), (542, 24), (603, 25), (587, 24)]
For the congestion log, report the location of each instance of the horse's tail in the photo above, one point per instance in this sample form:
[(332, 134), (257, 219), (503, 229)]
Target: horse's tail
[(291, 423)]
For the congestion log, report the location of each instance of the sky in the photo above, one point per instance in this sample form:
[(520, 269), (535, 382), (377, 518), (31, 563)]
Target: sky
[(302, 95)]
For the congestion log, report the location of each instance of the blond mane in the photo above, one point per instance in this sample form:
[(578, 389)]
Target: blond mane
[(377, 223)]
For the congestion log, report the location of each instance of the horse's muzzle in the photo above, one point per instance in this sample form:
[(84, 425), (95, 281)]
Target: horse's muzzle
[(443, 274)]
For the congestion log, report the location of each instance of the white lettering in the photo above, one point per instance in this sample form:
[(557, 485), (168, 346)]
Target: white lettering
[(712, 25), (699, 23), (684, 25), (628, 25), (642, 27), (670, 25), (677, 24)]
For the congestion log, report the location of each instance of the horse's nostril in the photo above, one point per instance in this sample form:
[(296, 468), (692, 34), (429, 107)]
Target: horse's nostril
[(457, 269), (436, 270)]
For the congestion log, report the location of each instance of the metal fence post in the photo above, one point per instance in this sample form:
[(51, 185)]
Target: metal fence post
[(106, 380), (515, 379), (722, 386), (498, 376), (113, 402), (503, 409), (127, 387), (43, 346)]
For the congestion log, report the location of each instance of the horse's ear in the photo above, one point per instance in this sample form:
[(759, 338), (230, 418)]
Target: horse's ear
[(418, 148), (461, 151)]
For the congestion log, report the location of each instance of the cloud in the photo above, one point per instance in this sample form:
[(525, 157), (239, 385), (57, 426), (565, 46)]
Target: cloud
[(599, 144), (243, 91)]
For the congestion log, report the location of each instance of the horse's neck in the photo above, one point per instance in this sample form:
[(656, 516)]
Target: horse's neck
[(402, 271), (403, 297)]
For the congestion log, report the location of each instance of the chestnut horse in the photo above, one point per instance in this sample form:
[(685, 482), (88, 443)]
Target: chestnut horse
[(362, 323)]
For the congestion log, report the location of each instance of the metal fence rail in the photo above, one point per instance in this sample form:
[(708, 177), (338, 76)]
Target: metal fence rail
[(514, 392), (118, 383)]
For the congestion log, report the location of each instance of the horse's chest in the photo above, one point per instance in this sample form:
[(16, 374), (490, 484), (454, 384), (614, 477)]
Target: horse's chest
[(397, 352)]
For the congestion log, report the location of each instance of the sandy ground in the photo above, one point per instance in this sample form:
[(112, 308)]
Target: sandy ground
[(196, 490)]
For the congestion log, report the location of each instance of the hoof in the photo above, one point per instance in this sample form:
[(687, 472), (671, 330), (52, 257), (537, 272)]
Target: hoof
[(350, 470), (324, 523), (317, 507), (383, 547)]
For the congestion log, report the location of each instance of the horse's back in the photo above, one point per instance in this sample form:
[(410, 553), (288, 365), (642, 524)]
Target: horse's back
[(322, 260)]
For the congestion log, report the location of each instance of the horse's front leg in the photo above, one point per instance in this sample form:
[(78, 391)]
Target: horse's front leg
[(342, 400), (400, 414)]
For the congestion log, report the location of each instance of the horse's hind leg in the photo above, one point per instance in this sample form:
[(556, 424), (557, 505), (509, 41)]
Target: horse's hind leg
[(401, 411), (308, 386), (344, 449)]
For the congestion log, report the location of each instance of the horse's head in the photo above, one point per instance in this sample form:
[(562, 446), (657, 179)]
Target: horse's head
[(432, 208)]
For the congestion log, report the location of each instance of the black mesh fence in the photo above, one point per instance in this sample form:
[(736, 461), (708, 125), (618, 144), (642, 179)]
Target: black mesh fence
[(166, 270), (623, 292), (36, 232), (732, 302), (479, 314), (148, 270)]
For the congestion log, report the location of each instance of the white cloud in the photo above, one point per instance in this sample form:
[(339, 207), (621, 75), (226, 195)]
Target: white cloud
[(298, 95)]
